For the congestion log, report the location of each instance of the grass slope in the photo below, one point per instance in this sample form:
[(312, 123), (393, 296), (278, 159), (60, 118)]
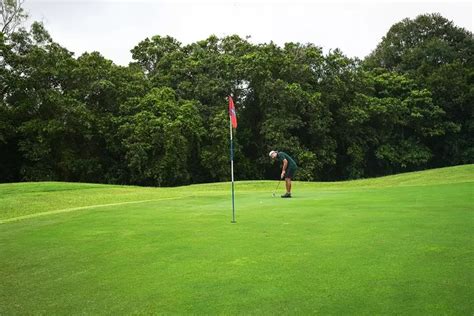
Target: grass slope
[(395, 245)]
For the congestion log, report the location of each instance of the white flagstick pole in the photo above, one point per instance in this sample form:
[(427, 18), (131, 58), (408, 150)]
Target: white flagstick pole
[(232, 169)]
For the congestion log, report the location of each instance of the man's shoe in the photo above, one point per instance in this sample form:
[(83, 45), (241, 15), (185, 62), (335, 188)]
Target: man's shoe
[(286, 195)]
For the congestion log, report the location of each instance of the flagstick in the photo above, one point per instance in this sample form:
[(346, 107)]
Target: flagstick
[(232, 170)]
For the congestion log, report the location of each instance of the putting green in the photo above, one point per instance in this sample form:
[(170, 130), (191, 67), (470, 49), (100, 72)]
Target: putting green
[(394, 245)]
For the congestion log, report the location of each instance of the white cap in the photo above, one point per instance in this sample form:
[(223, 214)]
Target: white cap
[(271, 153)]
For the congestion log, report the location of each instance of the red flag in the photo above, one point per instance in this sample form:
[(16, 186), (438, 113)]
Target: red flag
[(232, 115)]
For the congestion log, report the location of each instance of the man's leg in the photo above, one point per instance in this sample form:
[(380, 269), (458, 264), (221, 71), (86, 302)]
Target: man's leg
[(289, 175)]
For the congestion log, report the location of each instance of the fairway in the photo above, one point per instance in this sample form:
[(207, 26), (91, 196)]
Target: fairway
[(402, 244)]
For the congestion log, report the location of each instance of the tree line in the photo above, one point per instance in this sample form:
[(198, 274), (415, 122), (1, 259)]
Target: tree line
[(162, 120)]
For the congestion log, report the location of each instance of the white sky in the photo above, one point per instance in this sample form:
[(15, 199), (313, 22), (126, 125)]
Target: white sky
[(114, 27)]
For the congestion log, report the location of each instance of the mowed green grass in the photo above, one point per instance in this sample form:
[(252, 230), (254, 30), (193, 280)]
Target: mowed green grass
[(395, 245)]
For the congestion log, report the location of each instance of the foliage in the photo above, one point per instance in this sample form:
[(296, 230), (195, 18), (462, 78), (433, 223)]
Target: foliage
[(11, 15), (440, 57), (162, 120)]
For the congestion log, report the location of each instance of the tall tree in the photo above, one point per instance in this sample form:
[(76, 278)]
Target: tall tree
[(440, 56), (160, 133)]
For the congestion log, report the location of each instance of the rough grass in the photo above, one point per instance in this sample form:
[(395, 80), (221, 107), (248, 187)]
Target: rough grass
[(394, 245)]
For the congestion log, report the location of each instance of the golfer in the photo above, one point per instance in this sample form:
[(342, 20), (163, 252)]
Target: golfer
[(288, 169)]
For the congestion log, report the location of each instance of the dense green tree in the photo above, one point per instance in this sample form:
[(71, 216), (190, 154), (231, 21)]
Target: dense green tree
[(339, 82), (393, 121), (33, 98), (9, 159), (159, 134), (440, 56), (103, 87)]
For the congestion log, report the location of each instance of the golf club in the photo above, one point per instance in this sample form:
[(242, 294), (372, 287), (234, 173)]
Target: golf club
[(276, 188)]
